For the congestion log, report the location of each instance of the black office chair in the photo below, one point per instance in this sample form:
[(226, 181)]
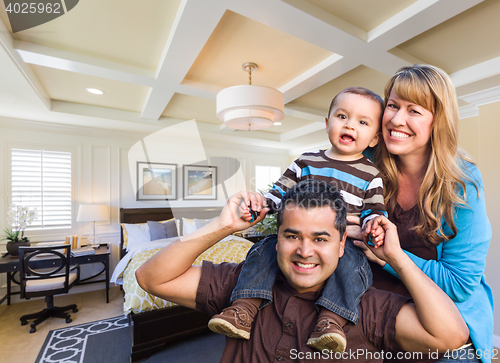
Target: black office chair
[(57, 279)]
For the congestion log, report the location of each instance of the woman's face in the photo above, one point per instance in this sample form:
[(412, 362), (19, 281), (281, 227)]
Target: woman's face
[(406, 127)]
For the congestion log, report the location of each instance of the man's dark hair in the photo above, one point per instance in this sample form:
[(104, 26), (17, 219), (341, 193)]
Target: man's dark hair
[(311, 193), (359, 91)]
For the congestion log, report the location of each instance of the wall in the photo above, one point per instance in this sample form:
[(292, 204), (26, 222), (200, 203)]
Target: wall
[(488, 129), (105, 169)]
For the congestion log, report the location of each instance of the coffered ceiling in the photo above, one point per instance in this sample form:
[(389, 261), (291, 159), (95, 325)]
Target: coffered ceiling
[(161, 62)]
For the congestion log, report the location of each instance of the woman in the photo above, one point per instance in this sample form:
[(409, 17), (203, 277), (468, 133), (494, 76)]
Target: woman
[(443, 229)]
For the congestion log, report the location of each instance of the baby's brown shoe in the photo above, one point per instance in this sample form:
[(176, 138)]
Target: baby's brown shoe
[(329, 335), (234, 321)]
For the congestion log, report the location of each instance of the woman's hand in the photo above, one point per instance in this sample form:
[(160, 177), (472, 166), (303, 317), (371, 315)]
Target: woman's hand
[(354, 232)]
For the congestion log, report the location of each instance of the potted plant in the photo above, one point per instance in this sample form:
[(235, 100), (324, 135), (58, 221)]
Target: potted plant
[(18, 218)]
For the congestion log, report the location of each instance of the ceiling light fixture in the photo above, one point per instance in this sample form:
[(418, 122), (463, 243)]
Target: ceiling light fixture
[(250, 107), (94, 91)]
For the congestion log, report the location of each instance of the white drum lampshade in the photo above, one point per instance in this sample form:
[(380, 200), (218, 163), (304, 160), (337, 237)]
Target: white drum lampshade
[(248, 107), (93, 213)]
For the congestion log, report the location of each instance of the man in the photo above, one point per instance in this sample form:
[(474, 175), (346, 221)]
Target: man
[(308, 248)]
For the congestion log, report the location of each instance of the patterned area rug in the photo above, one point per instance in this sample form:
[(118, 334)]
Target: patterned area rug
[(70, 344), (109, 341)]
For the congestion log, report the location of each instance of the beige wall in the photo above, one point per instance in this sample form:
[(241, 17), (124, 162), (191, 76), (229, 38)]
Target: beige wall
[(488, 130), (469, 136)]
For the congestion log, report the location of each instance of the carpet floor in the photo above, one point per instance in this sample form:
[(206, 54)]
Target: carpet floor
[(108, 341)]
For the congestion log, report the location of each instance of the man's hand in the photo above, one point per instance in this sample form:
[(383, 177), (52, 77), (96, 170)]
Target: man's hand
[(353, 228), (236, 216)]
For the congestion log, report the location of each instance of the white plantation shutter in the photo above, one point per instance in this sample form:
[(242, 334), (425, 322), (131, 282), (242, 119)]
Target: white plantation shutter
[(42, 179), (265, 175)]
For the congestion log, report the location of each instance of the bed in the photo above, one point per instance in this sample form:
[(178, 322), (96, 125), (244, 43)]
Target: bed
[(153, 321)]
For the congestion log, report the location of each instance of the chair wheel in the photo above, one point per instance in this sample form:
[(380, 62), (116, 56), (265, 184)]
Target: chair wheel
[(68, 320), (24, 322), (33, 329), (75, 310)]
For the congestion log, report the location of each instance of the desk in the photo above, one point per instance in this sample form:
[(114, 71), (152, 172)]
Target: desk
[(10, 265)]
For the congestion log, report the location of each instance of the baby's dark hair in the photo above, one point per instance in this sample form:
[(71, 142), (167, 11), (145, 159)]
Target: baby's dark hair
[(311, 193), (358, 91)]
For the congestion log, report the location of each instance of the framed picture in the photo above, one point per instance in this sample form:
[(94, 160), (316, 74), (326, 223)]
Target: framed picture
[(156, 181), (200, 182)]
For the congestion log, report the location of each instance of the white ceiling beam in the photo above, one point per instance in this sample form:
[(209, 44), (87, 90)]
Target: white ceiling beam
[(483, 97), (331, 68), (468, 111), (72, 62), (414, 20), (476, 72), (193, 25), (304, 130), (198, 89), (305, 113), (287, 18), (99, 112), (8, 43), (328, 18)]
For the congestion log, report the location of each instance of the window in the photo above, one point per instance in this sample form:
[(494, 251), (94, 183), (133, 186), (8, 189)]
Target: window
[(266, 175), (41, 179)]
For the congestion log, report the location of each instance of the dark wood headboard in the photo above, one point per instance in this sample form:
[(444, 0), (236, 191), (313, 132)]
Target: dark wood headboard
[(142, 215)]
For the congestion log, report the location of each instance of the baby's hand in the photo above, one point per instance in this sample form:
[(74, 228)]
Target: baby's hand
[(373, 233)]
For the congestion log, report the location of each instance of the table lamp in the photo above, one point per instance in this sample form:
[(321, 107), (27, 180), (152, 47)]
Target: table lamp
[(93, 213)]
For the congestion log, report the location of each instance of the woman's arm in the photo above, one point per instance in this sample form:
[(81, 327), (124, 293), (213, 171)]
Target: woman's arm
[(460, 266)]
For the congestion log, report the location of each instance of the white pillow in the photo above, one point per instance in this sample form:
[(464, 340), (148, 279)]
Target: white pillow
[(137, 234), (188, 226), (191, 225), (202, 222)]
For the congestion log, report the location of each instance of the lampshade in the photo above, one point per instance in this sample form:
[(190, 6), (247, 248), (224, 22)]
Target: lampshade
[(93, 213), (250, 107)]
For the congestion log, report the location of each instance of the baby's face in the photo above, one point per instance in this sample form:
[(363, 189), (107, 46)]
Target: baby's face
[(353, 125)]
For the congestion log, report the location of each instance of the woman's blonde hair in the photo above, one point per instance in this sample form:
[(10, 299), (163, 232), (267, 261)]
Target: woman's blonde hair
[(432, 89)]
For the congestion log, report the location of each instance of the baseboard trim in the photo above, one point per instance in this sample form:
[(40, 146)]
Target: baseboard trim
[(496, 341)]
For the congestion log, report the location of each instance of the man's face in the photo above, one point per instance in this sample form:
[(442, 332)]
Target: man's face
[(309, 246)]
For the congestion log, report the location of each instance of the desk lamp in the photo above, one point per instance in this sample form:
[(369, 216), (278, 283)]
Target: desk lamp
[(93, 213)]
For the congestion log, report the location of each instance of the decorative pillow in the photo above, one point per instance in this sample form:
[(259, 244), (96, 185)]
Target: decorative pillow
[(125, 233), (201, 222), (159, 230), (136, 234), (188, 226), (172, 228)]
